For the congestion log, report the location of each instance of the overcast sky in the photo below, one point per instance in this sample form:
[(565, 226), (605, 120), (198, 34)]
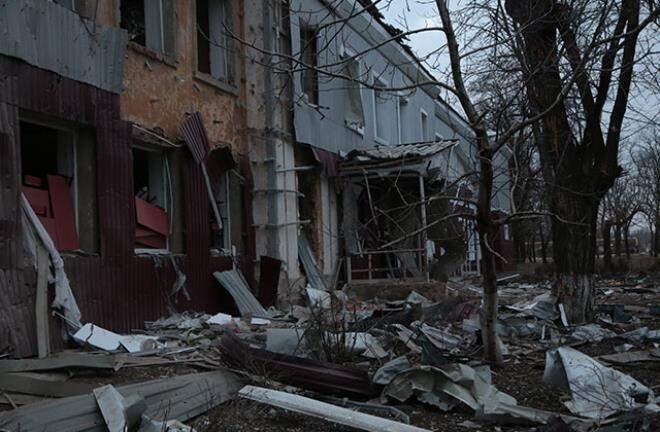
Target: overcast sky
[(415, 14)]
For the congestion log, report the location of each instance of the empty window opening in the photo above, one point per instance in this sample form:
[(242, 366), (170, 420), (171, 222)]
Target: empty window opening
[(214, 42), (309, 57), (58, 173), (354, 110), (424, 127), (222, 238), (152, 187), (150, 23), (401, 112), (380, 110)]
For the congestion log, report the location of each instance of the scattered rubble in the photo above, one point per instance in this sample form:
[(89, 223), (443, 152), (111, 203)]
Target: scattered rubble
[(348, 357)]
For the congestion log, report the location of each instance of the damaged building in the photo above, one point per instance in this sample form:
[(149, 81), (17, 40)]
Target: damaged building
[(94, 97), (343, 151), (158, 142)]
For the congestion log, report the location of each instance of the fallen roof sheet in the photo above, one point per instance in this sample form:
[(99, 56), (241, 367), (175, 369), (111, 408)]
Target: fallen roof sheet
[(301, 372), (388, 152), (306, 257), (236, 285), (325, 411), (181, 397), (597, 391), (60, 361)]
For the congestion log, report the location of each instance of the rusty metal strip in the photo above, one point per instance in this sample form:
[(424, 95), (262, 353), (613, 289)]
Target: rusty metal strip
[(301, 372)]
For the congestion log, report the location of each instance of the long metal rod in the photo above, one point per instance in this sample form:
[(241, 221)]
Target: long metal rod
[(214, 204), (422, 197)]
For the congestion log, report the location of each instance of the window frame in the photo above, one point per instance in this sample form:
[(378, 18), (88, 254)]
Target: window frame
[(168, 185), (377, 82), (352, 59), (228, 82), (315, 97), (423, 126)]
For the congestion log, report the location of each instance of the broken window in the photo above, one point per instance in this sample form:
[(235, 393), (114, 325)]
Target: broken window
[(150, 23), (380, 110), (308, 56), (214, 41), (152, 187), (354, 111), (401, 104), (59, 182), (221, 238), (424, 126)]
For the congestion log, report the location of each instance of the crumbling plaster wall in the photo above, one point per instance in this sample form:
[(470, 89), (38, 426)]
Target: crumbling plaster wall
[(272, 148), (158, 91)]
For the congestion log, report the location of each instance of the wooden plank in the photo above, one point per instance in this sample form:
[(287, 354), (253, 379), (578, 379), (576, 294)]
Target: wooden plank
[(325, 411), (41, 303), (20, 399), (181, 397), (35, 386), (39, 200), (63, 212), (59, 362), (151, 217)]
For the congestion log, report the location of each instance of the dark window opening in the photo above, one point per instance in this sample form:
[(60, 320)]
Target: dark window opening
[(214, 42), (133, 20), (150, 23), (309, 57), (309, 208), (153, 198), (203, 44), (58, 174)]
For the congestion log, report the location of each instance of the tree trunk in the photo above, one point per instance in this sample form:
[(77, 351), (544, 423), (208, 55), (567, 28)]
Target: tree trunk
[(656, 236), (617, 239), (607, 245), (487, 234), (574, 247), (543, 244), (626, 240)]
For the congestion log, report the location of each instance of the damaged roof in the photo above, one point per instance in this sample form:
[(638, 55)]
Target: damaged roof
[(426, 158), (390, 152)]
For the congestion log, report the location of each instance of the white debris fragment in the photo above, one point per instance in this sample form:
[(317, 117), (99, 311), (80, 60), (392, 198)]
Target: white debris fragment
[(98, 337), (137, 343), (319, 298), (220, 319), (598, 391)]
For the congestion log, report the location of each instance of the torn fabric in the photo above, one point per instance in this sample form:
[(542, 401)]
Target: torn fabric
[(64, 301)]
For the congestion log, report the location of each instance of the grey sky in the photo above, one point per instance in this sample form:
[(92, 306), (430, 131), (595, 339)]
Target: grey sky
[(414, 14)]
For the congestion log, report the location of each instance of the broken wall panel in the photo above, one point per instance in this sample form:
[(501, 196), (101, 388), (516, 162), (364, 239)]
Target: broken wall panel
[(115, 289), (17, 320), (50, 36)]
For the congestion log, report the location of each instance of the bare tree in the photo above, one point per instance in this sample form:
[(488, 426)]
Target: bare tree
[(647, 164), (586, 50)]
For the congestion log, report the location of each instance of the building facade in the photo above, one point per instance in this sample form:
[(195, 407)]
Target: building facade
[(158, 141), (92, 100)]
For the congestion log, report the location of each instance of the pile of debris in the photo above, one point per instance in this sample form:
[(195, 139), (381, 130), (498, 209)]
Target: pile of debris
[(340, 359)]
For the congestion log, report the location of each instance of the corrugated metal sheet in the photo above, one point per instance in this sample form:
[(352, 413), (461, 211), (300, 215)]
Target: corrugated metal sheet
[(54, 38), (194, 134), (387, 152), (17, 288), (115, 289)]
